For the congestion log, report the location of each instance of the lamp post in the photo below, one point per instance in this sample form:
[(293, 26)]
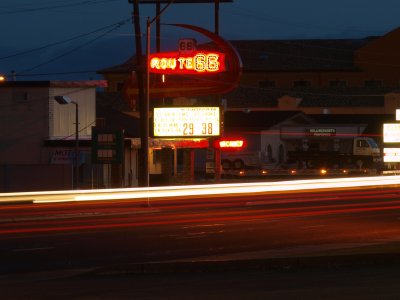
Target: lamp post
[(66, 100)]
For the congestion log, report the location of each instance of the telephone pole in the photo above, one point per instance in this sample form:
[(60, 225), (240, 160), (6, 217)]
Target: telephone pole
[(140, 75)]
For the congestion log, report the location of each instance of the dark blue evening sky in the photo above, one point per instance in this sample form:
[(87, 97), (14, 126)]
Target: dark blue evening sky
[(53, 39)]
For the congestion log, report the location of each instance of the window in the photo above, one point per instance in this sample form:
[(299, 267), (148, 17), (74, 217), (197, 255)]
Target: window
[(19, 96), (100, 122), (266, 83), (301, 83), (362, 144), (373, 83), (263, 56), (337, 83), (157, 156), (120, 86), (281, 154), (269, 153)]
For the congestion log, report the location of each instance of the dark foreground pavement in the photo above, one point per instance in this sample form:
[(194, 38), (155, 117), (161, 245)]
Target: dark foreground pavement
[(353, 274)]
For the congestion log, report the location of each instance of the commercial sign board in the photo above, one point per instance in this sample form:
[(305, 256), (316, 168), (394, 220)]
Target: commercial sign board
[(196, 62), (190, 71), (66, 156), (391, 154), (320, 131), (391, 133), (186, 121), (397, 114), (230, 144), (107, 146)]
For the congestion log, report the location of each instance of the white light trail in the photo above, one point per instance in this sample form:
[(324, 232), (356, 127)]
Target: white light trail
[(200, 190)]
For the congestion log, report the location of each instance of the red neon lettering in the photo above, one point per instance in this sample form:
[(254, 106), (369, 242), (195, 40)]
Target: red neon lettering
[(231, 144), (181, 63), (163, 63), (198, 63)]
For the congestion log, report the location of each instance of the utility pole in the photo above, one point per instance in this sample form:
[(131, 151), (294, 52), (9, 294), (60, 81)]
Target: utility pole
[(216, 16), (143, 79), (158, 27), (217, 151), (140, 62), (76, 145)]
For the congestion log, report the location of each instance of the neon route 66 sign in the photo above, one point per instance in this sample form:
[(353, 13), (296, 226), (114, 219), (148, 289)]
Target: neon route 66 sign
[(187, 61), (197, 62), (222, 67)]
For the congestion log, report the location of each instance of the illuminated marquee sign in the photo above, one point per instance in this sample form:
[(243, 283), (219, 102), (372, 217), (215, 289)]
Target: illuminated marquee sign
[(222, 66), (397, 114), (186, 121), (391, 133), (228, 144), (391, 154), (195, 62)]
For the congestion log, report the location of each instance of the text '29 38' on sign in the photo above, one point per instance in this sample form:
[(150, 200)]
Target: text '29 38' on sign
[(186, 121)]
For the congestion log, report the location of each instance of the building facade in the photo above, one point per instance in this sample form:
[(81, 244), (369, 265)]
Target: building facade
[(315, 76), (38, 135)]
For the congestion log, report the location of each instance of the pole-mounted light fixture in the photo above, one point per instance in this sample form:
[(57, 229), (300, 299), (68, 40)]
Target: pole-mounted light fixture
[(66, 100)]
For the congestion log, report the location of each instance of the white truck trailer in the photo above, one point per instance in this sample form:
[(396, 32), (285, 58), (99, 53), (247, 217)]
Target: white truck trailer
[(306, 147), (327, 146)]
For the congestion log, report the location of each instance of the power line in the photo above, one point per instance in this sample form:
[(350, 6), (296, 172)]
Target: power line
[(49, 7), (118, 25), (55, 73), (62, 42), (255, 15)]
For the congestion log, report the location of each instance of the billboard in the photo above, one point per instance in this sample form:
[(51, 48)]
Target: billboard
[(186, 121), (397, 114), (197, 62), (190, 72), (391, 154), (391, 133), (107, 146), (230, 144)]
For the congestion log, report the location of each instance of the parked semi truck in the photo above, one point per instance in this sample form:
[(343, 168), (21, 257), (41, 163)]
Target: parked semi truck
[(358, 152), (308, 147), (336, 146)]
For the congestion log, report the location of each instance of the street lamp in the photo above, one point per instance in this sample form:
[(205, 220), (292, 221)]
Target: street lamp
[(66, 100)]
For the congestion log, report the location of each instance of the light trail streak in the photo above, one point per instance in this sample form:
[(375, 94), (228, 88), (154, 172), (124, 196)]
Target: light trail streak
[(16, 212), (237, 188), (200, 190), (206, 217), (89, 216)]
